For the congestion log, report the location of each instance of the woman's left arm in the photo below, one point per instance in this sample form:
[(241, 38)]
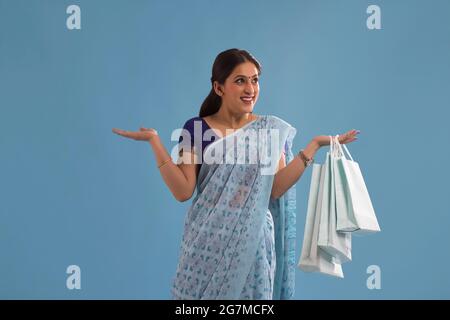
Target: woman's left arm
[(287, 175)]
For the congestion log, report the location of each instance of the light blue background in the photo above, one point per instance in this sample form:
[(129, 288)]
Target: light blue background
[(72, 192)]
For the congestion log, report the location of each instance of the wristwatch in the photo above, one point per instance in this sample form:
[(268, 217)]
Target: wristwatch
[(307, 161)]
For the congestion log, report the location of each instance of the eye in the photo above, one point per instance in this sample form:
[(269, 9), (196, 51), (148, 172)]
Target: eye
[(241, 80)]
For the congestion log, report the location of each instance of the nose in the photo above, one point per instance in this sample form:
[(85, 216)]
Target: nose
[(249, 88)]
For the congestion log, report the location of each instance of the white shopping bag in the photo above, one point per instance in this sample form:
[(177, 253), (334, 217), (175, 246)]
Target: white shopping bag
[(312, 258), (354, 208), (336, 244)]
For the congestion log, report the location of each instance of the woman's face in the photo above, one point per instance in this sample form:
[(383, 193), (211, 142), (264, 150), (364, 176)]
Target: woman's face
[(241, 89)]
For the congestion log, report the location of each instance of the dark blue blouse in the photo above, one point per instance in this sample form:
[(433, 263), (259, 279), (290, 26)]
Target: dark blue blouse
[(189, 126)]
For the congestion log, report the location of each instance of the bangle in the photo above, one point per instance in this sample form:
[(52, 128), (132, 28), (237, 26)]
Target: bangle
[(165, 162), (306, 160)]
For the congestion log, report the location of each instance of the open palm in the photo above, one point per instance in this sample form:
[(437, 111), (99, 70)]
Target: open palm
[(347, 137), (144, 134)]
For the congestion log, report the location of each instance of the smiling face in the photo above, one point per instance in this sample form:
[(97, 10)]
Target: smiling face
[(241, 89)]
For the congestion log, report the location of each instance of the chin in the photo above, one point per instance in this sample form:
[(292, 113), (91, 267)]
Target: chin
[(247, 110)]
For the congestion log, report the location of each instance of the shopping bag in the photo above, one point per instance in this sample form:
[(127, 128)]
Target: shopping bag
[(312, 258), (354, 208), (334, 243)]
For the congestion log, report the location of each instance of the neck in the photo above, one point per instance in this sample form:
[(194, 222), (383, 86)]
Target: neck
[(232, 120)]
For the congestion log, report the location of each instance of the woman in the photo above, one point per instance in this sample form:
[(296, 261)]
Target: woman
[(239, 233)]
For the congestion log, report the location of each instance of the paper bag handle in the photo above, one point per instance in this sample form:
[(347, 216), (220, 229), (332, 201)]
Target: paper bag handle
[(341, 148)]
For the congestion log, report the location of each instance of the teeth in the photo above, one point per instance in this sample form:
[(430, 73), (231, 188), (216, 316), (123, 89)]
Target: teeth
[(247, 99)]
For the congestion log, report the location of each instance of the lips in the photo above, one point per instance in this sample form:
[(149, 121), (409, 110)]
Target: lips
[(247, 98)]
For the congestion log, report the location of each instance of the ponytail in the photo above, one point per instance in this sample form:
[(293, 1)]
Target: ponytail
[(210, 105)]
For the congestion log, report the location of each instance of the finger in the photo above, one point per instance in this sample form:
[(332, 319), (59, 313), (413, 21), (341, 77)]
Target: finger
[(118, 131), (346, 135), (352, 133), (124, 133), (121, 132)]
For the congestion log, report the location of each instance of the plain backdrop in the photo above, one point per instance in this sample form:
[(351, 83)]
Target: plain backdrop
[(74, 193)]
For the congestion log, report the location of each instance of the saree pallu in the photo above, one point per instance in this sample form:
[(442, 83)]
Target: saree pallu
[(238, 242)]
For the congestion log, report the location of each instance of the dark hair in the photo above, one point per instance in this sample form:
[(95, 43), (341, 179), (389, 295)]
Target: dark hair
[(223, 66)]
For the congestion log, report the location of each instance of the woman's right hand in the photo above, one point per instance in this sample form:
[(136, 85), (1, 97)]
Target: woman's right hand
[(144, 134), (345, 138)]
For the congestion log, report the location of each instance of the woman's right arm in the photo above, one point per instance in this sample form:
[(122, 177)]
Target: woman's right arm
[(182, 178)]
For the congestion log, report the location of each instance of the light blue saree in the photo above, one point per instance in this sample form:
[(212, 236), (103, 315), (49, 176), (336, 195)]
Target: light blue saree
[(238, 243)]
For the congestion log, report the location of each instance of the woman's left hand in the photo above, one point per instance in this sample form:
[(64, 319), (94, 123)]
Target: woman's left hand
[(347, 137)]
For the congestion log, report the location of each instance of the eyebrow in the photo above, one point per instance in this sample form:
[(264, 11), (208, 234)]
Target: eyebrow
[(241, 75)]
